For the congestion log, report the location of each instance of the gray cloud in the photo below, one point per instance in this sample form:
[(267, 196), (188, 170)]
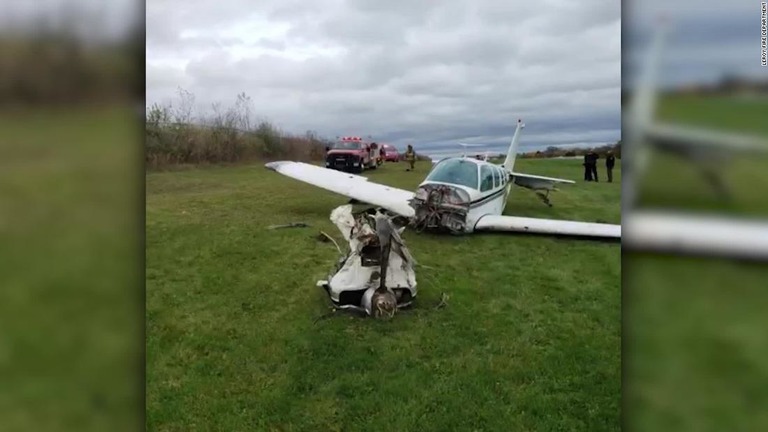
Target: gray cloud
[(431, 72), (707, 39)]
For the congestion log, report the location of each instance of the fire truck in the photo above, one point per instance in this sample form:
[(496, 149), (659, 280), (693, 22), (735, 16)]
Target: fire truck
[(352, 154)]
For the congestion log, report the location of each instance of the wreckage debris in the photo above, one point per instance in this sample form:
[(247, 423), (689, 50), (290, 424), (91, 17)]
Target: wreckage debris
[(443, 301), (290, 225), (323, 237), (376, 275)]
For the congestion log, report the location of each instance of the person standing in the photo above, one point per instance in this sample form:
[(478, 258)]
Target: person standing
[(610, 161), (593, 157), (410, 156), (587, 170)]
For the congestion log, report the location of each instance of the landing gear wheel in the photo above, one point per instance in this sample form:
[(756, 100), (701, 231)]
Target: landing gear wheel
[(544, 198)]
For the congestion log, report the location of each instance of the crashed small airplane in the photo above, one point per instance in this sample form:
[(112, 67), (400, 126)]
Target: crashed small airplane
[(459, 195)]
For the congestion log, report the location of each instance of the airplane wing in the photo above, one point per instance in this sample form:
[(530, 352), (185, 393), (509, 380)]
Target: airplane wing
[(696, 234), (547, 226), (669, 135), (349, 185)]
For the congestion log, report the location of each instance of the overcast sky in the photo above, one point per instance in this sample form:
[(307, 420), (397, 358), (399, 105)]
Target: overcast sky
[(434, 73), (428, 72), (707, 39)]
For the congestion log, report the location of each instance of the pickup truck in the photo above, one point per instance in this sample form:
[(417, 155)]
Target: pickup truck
[(352, 154)]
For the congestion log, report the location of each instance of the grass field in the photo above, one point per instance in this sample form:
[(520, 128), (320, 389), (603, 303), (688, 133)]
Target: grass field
[(694, 335), (694, 344), (728, 113), (71, 301), (675, 183), (530, 338)]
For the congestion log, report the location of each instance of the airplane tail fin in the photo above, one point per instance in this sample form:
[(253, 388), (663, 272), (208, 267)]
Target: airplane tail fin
[(509, 162), (640, 114), (644, 100)]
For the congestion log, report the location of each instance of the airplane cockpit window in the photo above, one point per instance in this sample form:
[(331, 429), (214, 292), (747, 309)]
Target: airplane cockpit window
[(455, 171), (486, 178), (496, 177)]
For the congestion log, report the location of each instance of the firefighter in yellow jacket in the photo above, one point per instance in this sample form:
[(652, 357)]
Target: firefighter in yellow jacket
[(410, 156)]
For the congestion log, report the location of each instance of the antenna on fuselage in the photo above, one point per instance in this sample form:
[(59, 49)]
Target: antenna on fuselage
[(465, 145)]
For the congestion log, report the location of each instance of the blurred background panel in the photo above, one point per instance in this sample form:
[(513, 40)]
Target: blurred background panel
[(705, 127), (694, 326), (71, 210)]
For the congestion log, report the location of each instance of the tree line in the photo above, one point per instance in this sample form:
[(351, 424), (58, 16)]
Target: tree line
[(553, 151), (174, 136), (54, 66)]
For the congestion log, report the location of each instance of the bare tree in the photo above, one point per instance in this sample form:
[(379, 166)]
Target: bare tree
[(183, 113), (243, 107)]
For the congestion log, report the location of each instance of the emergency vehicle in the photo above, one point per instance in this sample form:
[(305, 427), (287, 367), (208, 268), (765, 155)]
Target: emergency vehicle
[(352, 154)]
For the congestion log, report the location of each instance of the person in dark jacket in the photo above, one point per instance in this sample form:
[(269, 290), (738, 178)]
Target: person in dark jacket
[(610, 161), (587, 170), (593, 157)]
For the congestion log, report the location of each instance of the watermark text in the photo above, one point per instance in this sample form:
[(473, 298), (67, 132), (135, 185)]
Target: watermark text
[(764, 33)]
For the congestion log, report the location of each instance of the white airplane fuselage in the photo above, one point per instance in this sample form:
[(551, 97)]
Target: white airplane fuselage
[(484, 194)]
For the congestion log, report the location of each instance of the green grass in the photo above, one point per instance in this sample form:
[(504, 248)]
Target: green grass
[(530, 339), (675, 183), (71, 297), (694, 334), (694, 344), (727, 113)]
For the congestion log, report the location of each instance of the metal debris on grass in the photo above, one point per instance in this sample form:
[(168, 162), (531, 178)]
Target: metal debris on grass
[(290, 225), (376, 275)]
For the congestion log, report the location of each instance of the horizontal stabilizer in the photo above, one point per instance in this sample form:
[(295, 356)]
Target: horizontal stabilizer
[(535, 177), (692, 136)]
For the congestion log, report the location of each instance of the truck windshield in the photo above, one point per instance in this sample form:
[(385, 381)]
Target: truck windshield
[(346, 145), (455, 171)]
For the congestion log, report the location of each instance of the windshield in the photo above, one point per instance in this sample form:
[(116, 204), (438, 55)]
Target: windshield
[(346, 145), (455, 171)]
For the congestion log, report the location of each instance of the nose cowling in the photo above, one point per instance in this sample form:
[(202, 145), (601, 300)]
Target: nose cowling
[(440, 208)]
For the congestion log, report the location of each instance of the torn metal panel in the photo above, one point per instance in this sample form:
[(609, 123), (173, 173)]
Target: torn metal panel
[(376, 275)]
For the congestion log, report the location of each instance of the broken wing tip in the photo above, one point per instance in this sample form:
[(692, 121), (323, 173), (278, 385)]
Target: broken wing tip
[(274, 166)]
